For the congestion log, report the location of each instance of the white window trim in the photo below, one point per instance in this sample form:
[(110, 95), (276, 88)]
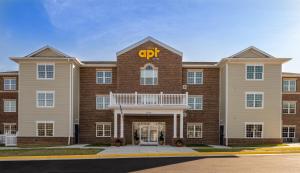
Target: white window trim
[(254, 79), (194, 80), (36, 127), (289, 102), (104, 79), (254, 123), (10, 85), (37, 71), (288, 126), (45, 91), (254, 92), (4, 105), (194, 131), (289, 85), (104, 100), (201, 107), (144, 68), (103, 123)]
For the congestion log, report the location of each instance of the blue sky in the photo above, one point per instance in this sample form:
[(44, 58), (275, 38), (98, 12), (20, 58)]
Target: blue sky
[(204, 30)]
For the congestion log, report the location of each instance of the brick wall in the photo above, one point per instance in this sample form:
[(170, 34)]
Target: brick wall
[(7, 117)]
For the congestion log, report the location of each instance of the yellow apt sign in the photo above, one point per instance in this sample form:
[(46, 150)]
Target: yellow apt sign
[(149, 53)]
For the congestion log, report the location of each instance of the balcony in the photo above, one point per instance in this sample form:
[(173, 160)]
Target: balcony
[(137, 100)]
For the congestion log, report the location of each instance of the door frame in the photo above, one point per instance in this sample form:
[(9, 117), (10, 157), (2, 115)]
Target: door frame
[(148, 134)]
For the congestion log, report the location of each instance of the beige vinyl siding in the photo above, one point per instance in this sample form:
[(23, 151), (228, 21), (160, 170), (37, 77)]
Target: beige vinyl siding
[(270, 115), (29, 114)]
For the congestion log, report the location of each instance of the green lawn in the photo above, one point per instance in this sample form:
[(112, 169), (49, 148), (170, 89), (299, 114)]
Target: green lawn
[(48, 152), (98, 145), (251, 149)]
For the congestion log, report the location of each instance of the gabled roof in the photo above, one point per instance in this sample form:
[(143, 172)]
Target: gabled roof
[(59, 53), (152, 40), (252, 48)]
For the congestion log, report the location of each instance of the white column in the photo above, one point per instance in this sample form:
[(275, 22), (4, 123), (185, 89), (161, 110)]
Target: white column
[(122, 126), (115, 125), (181, 125), (175, 126)]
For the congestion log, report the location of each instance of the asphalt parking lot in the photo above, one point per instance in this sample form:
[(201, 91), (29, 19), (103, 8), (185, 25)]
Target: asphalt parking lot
[(243, 164)]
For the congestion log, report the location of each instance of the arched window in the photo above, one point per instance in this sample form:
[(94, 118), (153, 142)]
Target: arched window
[(149, 75)]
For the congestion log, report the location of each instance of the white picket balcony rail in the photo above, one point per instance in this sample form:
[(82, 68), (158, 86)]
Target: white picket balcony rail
[(136, 99)]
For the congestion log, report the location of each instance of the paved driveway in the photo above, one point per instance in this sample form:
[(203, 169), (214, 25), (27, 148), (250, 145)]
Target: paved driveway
[(244, 164), (145, 149)]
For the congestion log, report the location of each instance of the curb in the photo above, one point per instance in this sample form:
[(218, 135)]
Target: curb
[(139, 155)]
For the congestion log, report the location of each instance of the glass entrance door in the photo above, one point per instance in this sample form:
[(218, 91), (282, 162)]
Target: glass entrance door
[(148, 135)]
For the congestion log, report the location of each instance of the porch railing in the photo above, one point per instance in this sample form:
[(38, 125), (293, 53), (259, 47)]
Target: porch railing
[(148, 99)]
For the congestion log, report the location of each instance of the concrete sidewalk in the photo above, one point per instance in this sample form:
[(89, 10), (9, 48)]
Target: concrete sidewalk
[(131, 149)]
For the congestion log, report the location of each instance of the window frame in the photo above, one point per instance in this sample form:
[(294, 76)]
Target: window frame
[(10, 84), (254, 76), (194, 76), (9, 100), (289, 85), (288, 108), (194, 102), (288, 132), (155, 75), (103, 129), (46, 78), (254, 92), (45, 101), (253, 133), (194, 130), (103, 105), (45, 128), (104, 78)]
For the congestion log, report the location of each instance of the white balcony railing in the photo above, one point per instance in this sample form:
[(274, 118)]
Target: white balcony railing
[(136, 99)]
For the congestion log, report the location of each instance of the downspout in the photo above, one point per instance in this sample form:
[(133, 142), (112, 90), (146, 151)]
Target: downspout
[(71, 103)]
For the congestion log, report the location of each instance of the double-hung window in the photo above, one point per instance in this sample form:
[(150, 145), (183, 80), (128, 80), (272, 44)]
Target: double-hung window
[(289, 131), (10, 128), (254, 130), (254, 100), (45, 128), (10, 105), (104, 77), (45, 99), (194, 77), (254, 72), (102, 102), (103, 129), (289, 85), (194, 130), (45, 71), (195, 102), (10, 84), (149, 75), (289, 107)]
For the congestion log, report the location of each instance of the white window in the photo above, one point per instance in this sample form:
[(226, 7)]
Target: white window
[(10, 128), (45, 71), (10, 84), (289, 131), (254, 130), (103, 129), (45, 128), (254, 100), (194, 77), (149, 75), (45, 99), (254, 72), (102, 102), (10, 106), (289, 107), (195, 102), (194, 130), (104, 77), (289, 85)]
